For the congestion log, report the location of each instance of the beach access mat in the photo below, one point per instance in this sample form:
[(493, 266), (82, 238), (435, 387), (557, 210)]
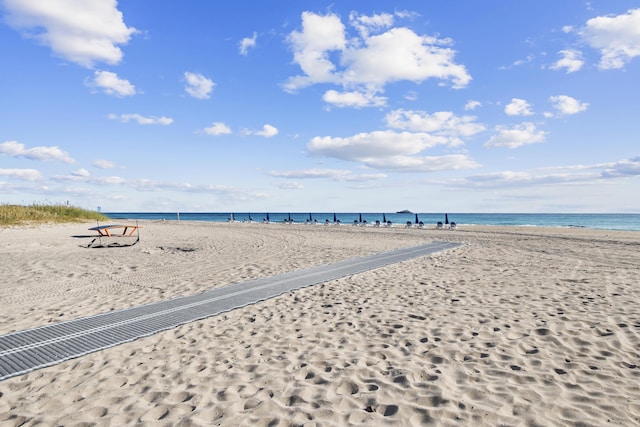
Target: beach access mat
[(25, 351)]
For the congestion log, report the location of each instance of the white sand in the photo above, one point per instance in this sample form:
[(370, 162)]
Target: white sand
[(521, 326)]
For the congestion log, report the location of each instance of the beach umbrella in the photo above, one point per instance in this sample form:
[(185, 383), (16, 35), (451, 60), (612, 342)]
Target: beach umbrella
[(334, 217), (250, 219), (360, 218), (446, 219), (289, 217), (310, 219), (416, 218), (268, 217), (384, 218)]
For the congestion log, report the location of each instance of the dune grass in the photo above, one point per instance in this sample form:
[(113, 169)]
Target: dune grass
[(37, 214)]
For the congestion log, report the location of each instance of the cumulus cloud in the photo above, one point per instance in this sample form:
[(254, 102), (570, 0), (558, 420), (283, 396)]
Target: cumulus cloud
[(267, 131), (571, 61), (21, 174), (320, 35), (401, 54), (378, 144), (472, 105), (198, 86), (85, 32), (518, 107), (442, 123), (566, 105), (365, 62), (616, 37), (81, 172), (389, 150), (402, 146), (368, 24), (104, 164), (353, 99), (247, 43), (111, 84), (15, 149), (142, 120), (217, 128), (516, 136)]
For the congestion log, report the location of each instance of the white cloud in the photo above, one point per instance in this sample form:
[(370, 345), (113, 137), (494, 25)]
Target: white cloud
[(81, 172), (389, 150), (442, 123), (377, 144), (567, 105), (22, 174), (423, 164), (320, 35), (104, 164), (353, 99), (517, 136), (569, 175), (616, 37), (472, 105), (84, 32), (290, 185), (311, 174), (142, 120), (217, 128), (15, 149), (367, 24), (80, 176), (520, 179), (401, 54), (248, 42), (267, 131), (111, 84), (326, 54), (622, 168), (333, 174), (198, 86), (518, 107), (571, 61)]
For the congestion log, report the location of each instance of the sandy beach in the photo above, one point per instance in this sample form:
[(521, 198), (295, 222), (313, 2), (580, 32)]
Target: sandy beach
[(520, 326)]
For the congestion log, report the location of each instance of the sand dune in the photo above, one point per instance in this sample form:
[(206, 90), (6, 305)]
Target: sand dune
[(521, 326)]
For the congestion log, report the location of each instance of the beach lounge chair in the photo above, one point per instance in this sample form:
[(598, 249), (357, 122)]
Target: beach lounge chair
[(377, 223), (439, 225), (453, 226), (409, 224)]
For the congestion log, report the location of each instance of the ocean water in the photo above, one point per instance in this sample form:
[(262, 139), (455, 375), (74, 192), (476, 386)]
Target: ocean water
[(630, 222)]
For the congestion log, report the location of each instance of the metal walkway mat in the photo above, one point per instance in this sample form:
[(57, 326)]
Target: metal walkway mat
[(25, 351)]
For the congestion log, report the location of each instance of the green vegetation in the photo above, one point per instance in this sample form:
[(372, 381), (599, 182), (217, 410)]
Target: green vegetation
[(37, 214)]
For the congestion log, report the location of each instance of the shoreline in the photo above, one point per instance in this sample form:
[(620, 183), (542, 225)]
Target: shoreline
[(520, 325)]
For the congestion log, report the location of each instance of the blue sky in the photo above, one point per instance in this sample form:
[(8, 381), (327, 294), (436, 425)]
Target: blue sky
[(461, 106)]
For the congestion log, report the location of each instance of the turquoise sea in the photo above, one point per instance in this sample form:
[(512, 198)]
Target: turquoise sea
[(629, 222)]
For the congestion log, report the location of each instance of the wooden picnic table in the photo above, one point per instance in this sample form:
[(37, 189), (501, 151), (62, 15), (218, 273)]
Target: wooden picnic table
[(108, 230)]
